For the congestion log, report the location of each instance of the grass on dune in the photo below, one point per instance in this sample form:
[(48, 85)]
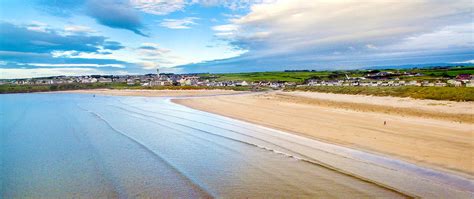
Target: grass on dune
[(435, 93), (298, 77)]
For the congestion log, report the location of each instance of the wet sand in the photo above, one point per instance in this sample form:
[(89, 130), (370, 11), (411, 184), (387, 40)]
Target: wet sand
[(154, 93), (433, 134), (78, 146), (425, 148)]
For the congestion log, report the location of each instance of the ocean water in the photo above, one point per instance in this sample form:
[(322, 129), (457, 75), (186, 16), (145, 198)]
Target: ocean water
[(77, 145)]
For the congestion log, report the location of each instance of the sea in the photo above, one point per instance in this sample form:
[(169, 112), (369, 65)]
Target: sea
[(63, 145)]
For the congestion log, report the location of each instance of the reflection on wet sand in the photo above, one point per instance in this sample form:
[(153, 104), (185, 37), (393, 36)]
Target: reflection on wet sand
[(67, 145)]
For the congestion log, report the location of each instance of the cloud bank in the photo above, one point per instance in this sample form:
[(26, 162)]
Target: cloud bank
[(24, 39), (117, 14), (258, 35), (23, 48), (326, 34), (184, 23)]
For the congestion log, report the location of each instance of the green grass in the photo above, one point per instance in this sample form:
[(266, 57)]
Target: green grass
[(9, 88), (449, 72), (298, 77), (435, 93)]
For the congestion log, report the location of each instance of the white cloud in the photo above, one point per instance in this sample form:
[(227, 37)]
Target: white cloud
[(164, 7), (226, 28), (151, 50), (68, 54), (37, 26), (227, 31), (151, 56), (76, 29), (231, 4), (147, 56), (76, 65), (148, 65), (447, 37), (371, 46), (325, 26), (16, 73), (465, 62), (159, 7), (184, 23)]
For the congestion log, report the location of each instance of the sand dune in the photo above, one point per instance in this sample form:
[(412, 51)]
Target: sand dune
[(435, 134)]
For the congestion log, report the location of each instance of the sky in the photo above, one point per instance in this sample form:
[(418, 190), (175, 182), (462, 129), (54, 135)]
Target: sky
[(83, 37)]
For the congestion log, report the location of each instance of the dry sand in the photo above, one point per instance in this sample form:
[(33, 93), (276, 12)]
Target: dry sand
[(435, 134), (154, 93)]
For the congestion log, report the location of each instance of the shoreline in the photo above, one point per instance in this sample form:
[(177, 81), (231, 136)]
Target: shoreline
[(384, 168), (393, 174), (428, 113), (155, 93), (422, 135)]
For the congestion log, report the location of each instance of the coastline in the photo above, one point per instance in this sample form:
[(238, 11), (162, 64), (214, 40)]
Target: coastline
[(154, 93), (354, 121), (418, 132), (430, 133), (390, 174)]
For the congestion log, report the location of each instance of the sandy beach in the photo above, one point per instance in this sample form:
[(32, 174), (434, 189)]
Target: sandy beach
[(154, 93), (434, 134)]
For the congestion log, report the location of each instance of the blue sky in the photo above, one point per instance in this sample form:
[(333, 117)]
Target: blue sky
[(80, 37)]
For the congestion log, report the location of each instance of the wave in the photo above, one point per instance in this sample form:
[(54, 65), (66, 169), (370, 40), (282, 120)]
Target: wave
[(207, 124), (195, 184)]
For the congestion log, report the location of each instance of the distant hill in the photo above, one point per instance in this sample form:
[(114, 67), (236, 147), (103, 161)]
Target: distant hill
[(408, 66)]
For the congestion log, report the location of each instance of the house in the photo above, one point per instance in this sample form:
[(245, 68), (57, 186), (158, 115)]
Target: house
[(132, 81), (241, 83), (276, 85), (413, 83), (188, 82), (355, 83), (160, 83), (290, 83), (364, 84), (313, 82), (121, 79), (463, 77), (46, 81), (104, 80), (455, 83), (427, 83)]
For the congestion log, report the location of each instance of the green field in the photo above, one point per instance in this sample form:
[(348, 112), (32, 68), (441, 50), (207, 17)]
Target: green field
[(435, 93), (298, 77), (430, 74), (9, 88)]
